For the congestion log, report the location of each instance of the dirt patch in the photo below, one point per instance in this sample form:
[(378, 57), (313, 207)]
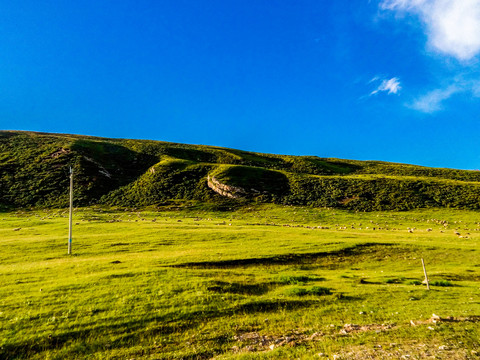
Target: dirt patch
[(406, 351), (450, 319), (59, 153), (353, 328), (254, 342)]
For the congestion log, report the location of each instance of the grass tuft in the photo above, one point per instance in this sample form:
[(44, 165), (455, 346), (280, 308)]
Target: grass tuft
[(314, 290), (442, 283)]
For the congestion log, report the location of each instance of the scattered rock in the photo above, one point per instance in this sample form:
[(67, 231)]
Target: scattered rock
[(354, 328), (435, 318), (256, 342)]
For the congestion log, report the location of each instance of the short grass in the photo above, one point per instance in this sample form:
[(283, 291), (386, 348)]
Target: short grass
[(260, 282)]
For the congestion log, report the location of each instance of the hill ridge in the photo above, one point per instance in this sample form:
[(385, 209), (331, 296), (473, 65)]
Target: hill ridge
[(125, 172)]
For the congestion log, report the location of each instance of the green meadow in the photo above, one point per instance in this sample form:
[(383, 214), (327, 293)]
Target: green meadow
[(257, 282)]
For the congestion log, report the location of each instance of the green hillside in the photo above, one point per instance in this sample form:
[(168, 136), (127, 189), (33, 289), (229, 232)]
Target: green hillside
[(34, 171)]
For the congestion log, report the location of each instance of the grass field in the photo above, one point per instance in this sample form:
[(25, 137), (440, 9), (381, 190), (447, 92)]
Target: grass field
[(261, 282)]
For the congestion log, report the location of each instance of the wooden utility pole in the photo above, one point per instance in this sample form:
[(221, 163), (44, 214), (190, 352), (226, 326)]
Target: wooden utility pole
[(71, 213), (425, 272)]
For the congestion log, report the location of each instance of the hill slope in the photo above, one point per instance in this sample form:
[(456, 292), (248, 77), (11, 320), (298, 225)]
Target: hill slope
[(34, 172)]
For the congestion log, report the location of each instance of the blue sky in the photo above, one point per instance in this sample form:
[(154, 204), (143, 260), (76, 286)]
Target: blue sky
[(391, 80)]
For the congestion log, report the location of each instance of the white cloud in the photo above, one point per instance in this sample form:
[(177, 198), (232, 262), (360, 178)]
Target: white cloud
[(391, 86), (452, 26), (453, 30)]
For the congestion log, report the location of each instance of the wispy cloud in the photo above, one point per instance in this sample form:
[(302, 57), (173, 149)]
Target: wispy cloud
[(476, 89), (452, 26), (432, 101), (402, 4), (390, 86)]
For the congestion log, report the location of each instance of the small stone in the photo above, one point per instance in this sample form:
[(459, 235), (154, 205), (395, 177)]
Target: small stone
[(272, 346), (443, 347), (430, 328)]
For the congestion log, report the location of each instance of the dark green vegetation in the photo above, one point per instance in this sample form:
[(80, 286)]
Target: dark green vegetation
[(34, 172), (259, 282)]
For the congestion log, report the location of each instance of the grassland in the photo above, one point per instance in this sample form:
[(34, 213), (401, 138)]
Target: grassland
[(257, 282)]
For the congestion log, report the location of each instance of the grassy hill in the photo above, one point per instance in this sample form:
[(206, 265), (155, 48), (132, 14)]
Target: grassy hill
[(34, 172), (269, 279)]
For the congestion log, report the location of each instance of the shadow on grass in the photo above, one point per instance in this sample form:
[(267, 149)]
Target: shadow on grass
[(365, 281), (96, 338), (272, 306), (240, 288), (303, 258)]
